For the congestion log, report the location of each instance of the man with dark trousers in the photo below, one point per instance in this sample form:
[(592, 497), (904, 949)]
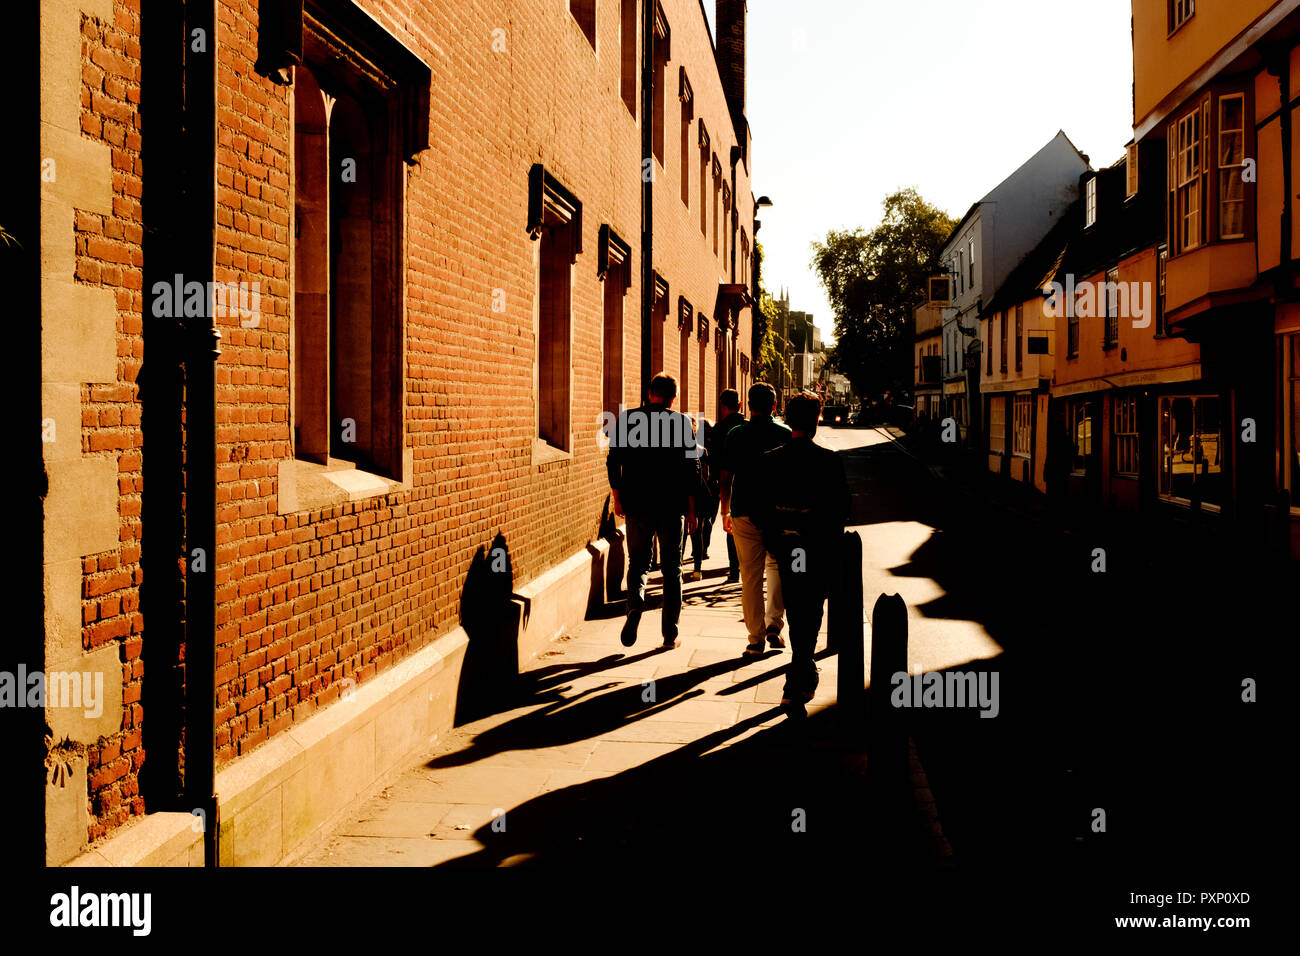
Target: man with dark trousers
[(654, 475), (802, 509), (714, 443), (742, 480)]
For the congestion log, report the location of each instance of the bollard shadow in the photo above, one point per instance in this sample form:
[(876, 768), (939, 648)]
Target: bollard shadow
[(784, 796), (492, 616), (586, 714)]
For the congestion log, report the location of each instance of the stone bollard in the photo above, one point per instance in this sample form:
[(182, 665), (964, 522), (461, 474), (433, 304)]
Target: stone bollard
[(844, 628), (888, 728)]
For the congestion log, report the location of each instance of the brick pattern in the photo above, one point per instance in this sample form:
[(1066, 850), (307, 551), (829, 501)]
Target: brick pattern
[(309, 598), (109, 256)]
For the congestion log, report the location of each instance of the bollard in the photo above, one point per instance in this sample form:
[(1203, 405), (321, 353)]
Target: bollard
[(888, 729), (844, 627)]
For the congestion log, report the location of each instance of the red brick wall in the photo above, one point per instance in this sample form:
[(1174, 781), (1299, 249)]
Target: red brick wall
[(309, 598), (108, 255)]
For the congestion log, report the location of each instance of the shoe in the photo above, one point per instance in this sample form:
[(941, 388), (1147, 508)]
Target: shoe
[(793, 709), (774, 637), (755, 650), (733, 578), (693, 576), (629, 628)]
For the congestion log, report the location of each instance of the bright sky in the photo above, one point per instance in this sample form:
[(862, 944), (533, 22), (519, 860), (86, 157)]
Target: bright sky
[(851, 99)]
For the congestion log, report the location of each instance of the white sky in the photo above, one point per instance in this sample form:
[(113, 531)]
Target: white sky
[(849, 100)]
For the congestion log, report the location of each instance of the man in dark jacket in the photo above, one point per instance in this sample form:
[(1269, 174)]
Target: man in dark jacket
[(802, 510), (742, 481), (654, 475), (714, 443)]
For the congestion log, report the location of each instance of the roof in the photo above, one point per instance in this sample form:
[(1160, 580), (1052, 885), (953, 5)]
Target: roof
[(1043, 264), (1060, 134)]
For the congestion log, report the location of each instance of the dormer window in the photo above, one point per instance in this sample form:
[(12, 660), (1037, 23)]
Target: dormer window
[(1090, 202), (1180, 11)]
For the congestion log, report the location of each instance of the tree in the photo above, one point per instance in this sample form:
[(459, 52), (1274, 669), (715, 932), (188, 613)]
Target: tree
[(874, 280), (769, 346)]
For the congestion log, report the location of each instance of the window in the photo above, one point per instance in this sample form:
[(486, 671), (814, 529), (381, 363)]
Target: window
[(1125, 433), (1072, 333), (717, 202), (616, 267), (660, 92), (628, 37), (1130, 170), (1191, 466), (1232, 146), (1294, 469), (347, 236), (744, 257), (721, 349), (555, 218), (961, 275), (704, 179), (702, 323), (685, 314), (658, 324), (687, 98), (1020, 337), (1090, 202), (998, 424), (1022, 421), (1162, 258), (726, 221), (1081, 418), (1112, 308), (970, 247), (1186, 219), (988, 347), (584, 11), (1002, 351), (1180, 11)]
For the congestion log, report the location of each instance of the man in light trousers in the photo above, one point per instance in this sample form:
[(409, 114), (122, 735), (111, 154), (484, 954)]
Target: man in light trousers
[(742, 479)]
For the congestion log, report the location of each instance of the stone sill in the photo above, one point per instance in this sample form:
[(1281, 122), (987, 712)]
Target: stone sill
[(309, 486), (544, 453)]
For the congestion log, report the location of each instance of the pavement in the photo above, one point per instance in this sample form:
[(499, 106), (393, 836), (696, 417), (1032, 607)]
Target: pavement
[(605, 754)]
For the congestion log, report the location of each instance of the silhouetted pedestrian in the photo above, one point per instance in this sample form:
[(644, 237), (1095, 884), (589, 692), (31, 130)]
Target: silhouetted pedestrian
[(715, 441), (742, 479), (802, 508), (654, 476)]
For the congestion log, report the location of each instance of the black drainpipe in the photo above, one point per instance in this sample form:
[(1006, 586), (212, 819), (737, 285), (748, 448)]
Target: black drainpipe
[(647, 193), (199, 150)]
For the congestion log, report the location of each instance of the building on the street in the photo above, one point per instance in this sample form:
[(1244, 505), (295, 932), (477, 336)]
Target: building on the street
[(419, 230), (1018, 343), (927, 332), (994, 236), (1118, 368), (1214, 90)]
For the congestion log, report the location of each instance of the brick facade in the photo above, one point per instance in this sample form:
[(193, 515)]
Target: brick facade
[(307, 597)]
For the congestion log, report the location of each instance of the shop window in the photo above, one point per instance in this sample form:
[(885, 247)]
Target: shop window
[(1191, 440)]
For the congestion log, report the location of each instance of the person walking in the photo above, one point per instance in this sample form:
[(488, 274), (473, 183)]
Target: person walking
[(654, 476), (714, 442), (802, 508), (741, 480), (706, 509)]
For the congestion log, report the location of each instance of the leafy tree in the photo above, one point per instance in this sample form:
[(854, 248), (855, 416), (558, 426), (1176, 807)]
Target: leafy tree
[(874, 280), (767, 328)]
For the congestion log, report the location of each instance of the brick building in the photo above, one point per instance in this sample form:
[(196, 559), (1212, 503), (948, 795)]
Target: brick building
[(437, 241)]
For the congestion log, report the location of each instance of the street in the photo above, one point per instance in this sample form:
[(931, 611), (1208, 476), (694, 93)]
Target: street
[(1106, 701)]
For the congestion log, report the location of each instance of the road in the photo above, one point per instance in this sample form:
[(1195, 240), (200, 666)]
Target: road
[(1122, 746)]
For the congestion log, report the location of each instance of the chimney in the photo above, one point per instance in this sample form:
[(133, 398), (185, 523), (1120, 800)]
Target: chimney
[(731, 57)]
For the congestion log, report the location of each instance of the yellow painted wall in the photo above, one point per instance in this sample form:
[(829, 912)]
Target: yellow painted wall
[(1161, 61)]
